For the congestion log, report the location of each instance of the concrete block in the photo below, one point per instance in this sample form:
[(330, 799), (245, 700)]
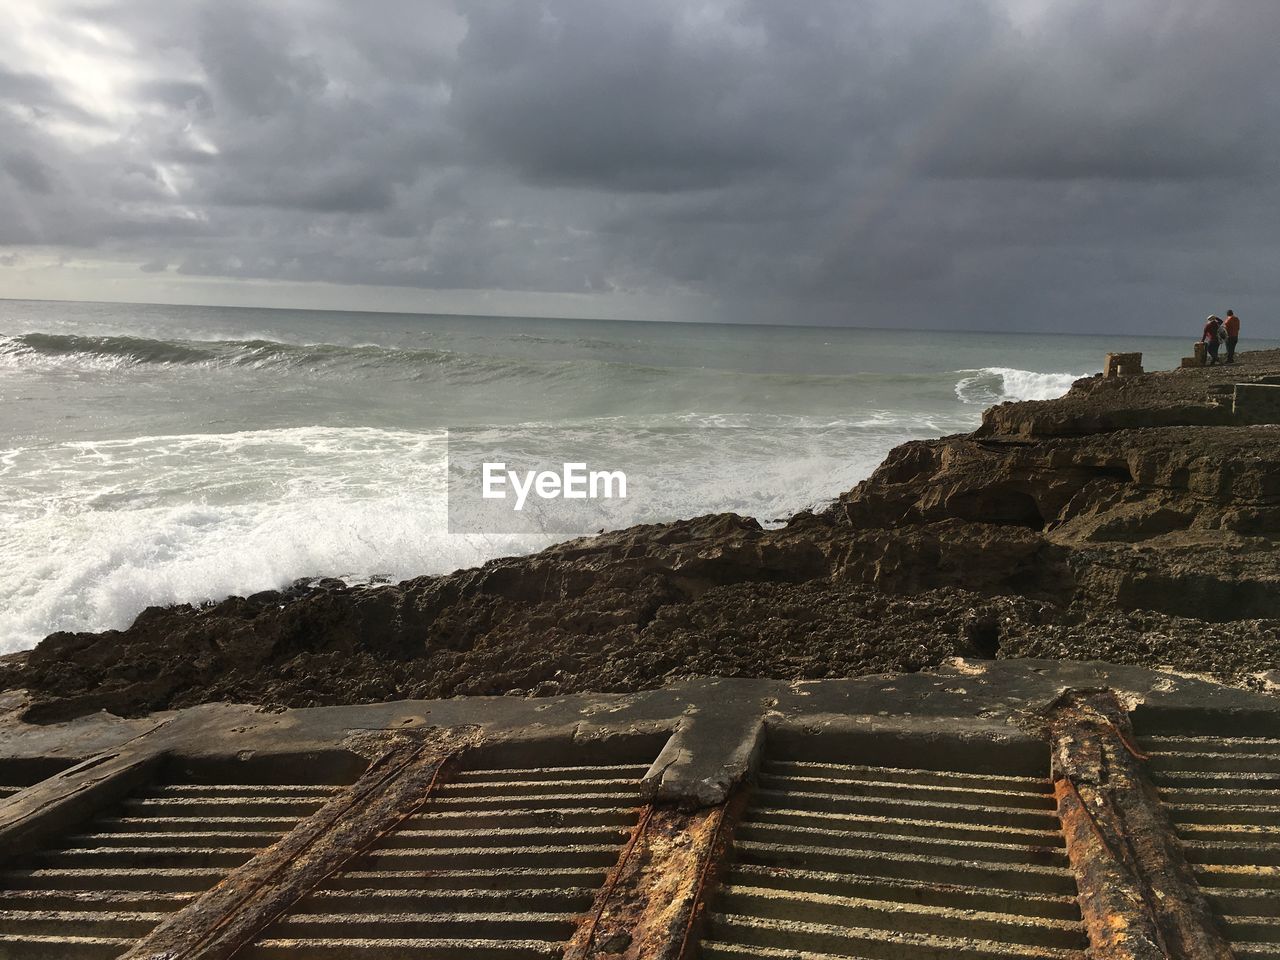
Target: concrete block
[(1122, 365), (708, 754)]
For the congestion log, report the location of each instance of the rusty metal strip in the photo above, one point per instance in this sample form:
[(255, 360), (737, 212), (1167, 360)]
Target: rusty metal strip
[(652, 897), (1138, 895), (232, 914)]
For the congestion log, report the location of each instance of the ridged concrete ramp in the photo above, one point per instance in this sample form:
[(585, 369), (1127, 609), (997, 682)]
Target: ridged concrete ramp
[(892, 818)]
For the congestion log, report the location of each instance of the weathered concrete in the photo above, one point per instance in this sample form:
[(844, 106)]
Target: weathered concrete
[(977, 699), (904, 816), (708, 754)]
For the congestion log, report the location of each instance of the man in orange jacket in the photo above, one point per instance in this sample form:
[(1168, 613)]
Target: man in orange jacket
[(1231, 328)]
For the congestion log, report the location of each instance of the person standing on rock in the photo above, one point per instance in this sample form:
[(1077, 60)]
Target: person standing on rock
[(1210, 338), (1231, 330)]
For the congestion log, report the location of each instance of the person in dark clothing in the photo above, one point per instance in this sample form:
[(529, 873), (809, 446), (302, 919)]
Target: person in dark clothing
[(1231, 330), (1212, 328)]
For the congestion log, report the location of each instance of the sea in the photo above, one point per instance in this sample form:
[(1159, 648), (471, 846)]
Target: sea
[(153, 455)]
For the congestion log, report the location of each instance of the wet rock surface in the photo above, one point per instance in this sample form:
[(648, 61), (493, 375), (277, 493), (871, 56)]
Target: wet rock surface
[(1133, 521)]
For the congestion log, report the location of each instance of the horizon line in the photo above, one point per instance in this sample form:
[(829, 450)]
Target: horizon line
[(653, 322)]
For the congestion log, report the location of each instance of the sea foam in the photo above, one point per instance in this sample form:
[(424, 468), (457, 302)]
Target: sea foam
[(989, 385), (99, 530)]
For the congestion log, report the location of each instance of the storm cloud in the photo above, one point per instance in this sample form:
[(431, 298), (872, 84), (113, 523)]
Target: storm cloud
[(985, 164)]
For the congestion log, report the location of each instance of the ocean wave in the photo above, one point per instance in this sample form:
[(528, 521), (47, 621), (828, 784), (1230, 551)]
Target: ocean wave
[(990, 385), (30, 349), (40, 352), (95, 531)]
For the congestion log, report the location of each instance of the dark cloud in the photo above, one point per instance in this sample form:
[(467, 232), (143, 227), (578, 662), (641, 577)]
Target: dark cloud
[(967, 162), (29, 173)]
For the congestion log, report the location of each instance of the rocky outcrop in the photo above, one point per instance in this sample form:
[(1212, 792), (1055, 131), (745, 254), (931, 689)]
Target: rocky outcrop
[(1131, 520)]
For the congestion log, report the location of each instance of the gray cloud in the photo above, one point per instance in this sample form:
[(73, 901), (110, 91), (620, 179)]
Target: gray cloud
[(980, 163)]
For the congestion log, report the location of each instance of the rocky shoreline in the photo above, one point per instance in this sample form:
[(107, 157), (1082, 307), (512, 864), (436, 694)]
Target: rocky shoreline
[(1133, 521)]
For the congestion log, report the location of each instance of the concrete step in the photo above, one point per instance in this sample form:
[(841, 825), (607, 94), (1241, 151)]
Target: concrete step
[(622, 815), (500, 862), (502, 877), (870, 943), (276, 825), (98, 890), (892, 915), (140, 857), (857, 862), (1229, 832), (629, 772), (1245, 853), (939, 892), (1243, 902), (1211, 761), (418, 925), (44, 898), (899, 807), (336, 948), (126, 878), (1208, 744), (381, 900), (215, 806), (907, 775), (908, 826), (1021, 878), (921, 843), (256, 840), (1251, 929), (887, 789), (1226, 813), (1216, 780), (251, 790), (537, 801), (62, 946), (1237, 876), (1223, 795), (537, 787), (595, 855), (96, 923), (503, 837)]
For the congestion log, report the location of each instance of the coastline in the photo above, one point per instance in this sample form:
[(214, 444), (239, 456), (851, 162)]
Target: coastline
[(1131, 521)]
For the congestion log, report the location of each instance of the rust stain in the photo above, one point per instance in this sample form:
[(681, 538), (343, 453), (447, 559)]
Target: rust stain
[(651, 901), (1138, 896)]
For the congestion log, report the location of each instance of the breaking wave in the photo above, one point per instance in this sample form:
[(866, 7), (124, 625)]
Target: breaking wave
[(52, 349), (95, 531), (983, 386), (990, 385)]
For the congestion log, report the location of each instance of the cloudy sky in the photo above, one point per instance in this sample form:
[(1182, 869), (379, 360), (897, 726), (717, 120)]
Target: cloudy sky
[(989, 164)]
